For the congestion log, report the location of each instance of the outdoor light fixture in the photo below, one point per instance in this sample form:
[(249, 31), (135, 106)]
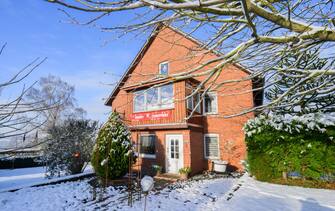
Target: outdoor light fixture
[(147, 183)]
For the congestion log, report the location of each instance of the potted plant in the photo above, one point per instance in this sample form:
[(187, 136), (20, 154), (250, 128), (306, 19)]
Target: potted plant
[(184, 173), (157, 169)]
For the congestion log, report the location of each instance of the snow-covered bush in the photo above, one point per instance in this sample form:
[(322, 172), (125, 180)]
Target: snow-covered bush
[(290, 123), (279, 144), (69, 146), (112, 149)]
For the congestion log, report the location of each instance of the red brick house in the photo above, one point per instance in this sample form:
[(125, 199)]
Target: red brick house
[(156, 110)]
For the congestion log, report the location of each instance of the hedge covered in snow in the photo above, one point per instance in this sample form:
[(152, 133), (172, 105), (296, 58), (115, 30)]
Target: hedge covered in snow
[(281, 144), (290, 123)]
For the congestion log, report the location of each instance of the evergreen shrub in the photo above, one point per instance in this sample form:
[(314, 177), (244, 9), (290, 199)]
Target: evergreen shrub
[(111, 152), (294, 145)]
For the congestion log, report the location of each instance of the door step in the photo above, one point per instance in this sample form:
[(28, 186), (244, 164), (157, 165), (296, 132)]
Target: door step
[(168, 177)]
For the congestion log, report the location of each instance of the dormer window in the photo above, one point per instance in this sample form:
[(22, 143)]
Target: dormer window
[(164, 68)]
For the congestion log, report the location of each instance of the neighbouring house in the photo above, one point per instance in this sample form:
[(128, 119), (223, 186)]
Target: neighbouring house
[(154, 105)]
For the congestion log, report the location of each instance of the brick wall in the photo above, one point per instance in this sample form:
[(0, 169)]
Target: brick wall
[(198, 162), (233, 98), (160, 146)]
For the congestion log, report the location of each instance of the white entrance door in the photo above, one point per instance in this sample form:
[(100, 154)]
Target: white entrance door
[(174, 153)]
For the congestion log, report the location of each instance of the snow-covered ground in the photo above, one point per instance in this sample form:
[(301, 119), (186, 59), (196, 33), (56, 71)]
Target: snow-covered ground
[(217, 194), (25, 177), (10, 178)]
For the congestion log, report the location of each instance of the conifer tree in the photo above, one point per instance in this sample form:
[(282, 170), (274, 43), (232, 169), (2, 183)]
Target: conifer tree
[(112, 149), (313, 101)]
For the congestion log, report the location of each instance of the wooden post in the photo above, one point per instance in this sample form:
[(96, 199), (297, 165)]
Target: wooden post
[(284, 174)]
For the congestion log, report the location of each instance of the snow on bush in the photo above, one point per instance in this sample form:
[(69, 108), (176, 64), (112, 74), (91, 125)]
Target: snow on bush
[(282, 144), (111, 152), (290, 123), (69, 146)]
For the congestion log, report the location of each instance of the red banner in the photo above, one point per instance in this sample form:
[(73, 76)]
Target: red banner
[(152, 115)]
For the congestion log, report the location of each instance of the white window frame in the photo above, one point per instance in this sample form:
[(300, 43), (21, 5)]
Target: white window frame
[(144, 155), (168, 67), (160, 97), (159, 100), (189, 99), (197, 109), (134, 102), (218, 138), (216, 102)]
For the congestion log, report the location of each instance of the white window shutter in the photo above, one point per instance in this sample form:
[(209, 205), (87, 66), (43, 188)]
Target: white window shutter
[(211, 147)]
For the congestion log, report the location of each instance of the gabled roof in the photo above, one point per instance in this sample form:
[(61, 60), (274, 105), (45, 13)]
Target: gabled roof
[(133, 64), (143, 50)]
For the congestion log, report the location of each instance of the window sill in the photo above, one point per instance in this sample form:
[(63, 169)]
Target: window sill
[(148, 156), (159, 109), (212, 158), (211, 114), (190, 110)]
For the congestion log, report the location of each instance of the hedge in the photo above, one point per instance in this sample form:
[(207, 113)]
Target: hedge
[(21, 162), (302, 146)]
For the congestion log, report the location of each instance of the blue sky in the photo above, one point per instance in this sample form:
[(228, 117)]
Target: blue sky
[(77, 54)]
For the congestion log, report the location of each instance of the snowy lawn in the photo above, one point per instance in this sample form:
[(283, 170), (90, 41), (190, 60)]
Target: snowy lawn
[(11, 178), (217, 194), (25, 177)]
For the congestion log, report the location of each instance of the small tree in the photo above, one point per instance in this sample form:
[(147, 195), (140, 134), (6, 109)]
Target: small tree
[(111, 153), (69, 147)]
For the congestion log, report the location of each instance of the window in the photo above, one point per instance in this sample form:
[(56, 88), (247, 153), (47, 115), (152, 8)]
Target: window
[(210, 103), (166, 93), (196, 101), (147, 146), (139, 102), (211, 146), (174, 148), (164, 68), (193, 101), (189, 103), (154, 98)]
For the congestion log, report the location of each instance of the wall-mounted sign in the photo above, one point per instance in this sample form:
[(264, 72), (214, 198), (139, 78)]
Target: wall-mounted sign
[(153, 115)]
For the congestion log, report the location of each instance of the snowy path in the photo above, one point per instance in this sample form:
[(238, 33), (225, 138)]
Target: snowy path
[(202, 195)]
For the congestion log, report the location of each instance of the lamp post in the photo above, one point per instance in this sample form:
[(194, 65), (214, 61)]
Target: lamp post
[(147, 183)]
